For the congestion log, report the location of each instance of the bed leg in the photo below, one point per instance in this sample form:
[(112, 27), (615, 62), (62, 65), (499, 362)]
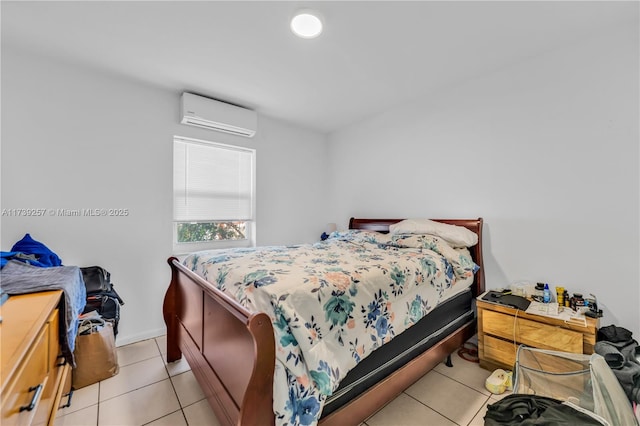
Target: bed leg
[(169, 309), (173, 349), (448, 362)]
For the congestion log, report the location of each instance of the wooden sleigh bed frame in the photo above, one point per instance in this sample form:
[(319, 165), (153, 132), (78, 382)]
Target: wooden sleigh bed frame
[(231, 351)]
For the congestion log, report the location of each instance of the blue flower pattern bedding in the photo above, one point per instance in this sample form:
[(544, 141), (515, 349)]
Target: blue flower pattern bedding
[(334, 302)]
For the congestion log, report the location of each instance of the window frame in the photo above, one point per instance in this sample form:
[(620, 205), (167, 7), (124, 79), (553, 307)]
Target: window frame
[(182, 248)]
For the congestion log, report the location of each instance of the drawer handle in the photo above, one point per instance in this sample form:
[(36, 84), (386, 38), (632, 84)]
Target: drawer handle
[(36, 396), (70, 395), (64, 360)]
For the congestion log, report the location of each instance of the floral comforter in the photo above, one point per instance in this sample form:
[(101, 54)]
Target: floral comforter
[(333, 302)]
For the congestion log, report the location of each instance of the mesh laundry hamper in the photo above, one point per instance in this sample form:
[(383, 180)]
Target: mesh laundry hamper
[(585, 380)]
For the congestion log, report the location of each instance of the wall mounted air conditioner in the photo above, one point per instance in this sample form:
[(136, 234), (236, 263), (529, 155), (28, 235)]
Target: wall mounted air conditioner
[(215, 115)]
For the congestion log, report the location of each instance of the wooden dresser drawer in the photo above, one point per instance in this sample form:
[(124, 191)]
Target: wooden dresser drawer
[(531, 333), (500, 350), (28, 384), (32, 373), (55, 352), (55, 395), (57, 370)]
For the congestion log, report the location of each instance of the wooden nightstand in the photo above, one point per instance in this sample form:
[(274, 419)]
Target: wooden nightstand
[(501, 329)]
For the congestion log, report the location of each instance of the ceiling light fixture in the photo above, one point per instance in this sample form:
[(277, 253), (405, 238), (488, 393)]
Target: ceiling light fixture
[(306, 24)]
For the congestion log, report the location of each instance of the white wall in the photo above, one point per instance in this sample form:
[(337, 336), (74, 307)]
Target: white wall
[(76, 138), (545, 151)]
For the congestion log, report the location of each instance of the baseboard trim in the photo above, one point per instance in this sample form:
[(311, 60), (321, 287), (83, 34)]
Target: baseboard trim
[(150, 334)]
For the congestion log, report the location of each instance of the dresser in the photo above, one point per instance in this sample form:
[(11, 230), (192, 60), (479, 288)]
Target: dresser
[(34, 374), (501, 329)]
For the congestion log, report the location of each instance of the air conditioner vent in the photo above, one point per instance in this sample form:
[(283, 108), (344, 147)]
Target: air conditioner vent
[(216, 115)]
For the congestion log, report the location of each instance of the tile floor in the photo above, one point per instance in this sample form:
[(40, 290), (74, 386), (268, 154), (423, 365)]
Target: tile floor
[(148, 391)]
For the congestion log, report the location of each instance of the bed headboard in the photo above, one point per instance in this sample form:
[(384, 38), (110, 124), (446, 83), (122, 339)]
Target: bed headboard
[(474, 225)]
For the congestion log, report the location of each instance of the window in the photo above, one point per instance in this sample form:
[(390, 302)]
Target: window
[(213, 195)]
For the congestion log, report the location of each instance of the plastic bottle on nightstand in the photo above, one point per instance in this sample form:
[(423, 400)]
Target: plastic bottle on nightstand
[(546, 295)]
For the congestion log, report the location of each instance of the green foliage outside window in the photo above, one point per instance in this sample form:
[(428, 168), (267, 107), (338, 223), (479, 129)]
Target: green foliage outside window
[(210, 231)]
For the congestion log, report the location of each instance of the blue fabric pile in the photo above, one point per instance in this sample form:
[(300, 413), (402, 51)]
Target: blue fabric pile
[(32, 267), (31, 252)]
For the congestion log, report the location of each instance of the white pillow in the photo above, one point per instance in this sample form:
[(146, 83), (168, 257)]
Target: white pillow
[(457, 236)]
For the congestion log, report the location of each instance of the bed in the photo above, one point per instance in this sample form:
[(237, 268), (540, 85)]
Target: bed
[(236, 359)]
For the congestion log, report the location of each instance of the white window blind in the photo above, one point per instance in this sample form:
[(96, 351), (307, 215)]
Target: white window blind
[(212, 182)]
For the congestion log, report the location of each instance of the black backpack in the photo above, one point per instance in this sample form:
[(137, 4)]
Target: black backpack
[(101, 296)]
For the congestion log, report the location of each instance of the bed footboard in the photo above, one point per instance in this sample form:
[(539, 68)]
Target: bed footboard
[(231, 351)]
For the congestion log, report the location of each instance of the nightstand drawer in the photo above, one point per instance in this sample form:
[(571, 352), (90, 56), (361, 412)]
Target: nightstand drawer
[(531, 333), (500, 350)]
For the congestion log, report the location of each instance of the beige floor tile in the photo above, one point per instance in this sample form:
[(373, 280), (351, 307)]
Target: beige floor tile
[(406, 411), (174, 419), (85, 417), (187, 388), (176, 367), (133, 376), (468, 373), (137, 352), (140, 406), (200, 414), (448, 397), (498, 397), (161, 341), (81, 398), (142, 382)]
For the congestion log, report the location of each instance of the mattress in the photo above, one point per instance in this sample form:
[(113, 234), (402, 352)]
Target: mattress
[(438, 324)]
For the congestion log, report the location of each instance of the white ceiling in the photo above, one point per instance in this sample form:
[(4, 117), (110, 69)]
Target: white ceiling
[(372, 55)]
